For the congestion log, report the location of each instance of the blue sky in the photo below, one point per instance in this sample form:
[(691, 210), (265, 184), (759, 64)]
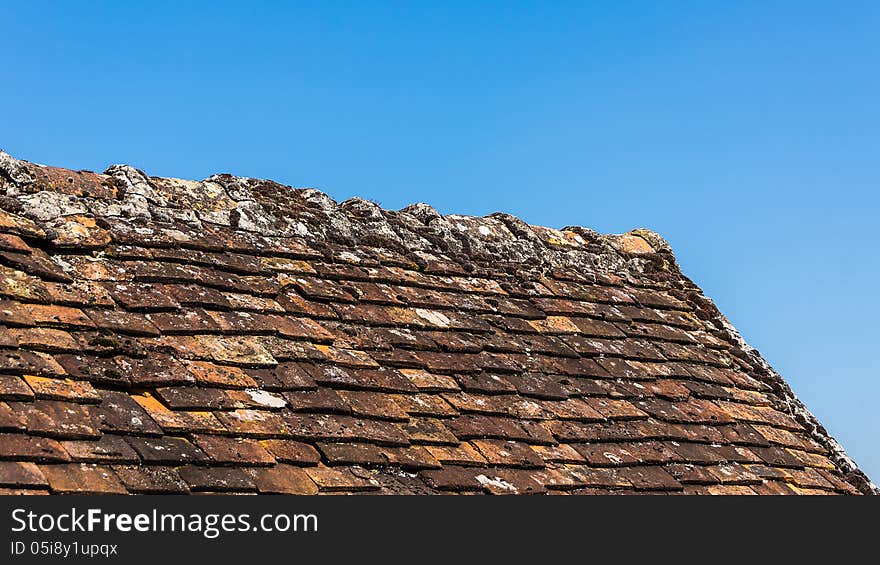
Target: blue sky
[(747, 133)]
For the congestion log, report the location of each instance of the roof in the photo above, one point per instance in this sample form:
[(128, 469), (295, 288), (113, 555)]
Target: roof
[(165, 336)]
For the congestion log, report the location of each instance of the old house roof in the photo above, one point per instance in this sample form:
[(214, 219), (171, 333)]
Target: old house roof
[(162, 336)]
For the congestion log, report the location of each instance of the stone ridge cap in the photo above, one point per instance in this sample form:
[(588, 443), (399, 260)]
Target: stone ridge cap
[(45, 193)]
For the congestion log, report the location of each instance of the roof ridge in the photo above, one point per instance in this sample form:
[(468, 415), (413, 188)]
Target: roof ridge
[(252, 205)]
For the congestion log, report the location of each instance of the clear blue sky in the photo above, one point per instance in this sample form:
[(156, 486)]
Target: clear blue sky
[(747, 133)]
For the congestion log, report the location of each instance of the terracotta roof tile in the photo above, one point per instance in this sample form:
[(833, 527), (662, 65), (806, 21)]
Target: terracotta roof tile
[(54, 388), (15, 314), (333, 427), (284, 376), (143, 479), (21, 447), (11, 242), (43, 339), (187, 322), (21, 474), (82, 478), (241, 342), (58, 418), (142, 297), (241, 451), (330, 479), (463, 454), (282, 479), (154, 371), (36, 263), (347, 453), (120, 413), (512, 481), (108, 449), (582, 476), (290, 451), (411, 458), (508, 453), (195, 295), (374, 405), (429, 382), (28, 362), (166, 450), (454, 478), (15, 388), (208, 374), (216, 479), (233, 350), (290, 301), (650, 478), (421, 404)]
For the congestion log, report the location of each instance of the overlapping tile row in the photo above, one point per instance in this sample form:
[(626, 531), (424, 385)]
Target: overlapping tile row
[(153, 357)]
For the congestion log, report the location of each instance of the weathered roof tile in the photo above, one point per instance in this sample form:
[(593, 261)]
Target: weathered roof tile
[(120, 413), (58, 418), (166, 450), (282, 479), (345, 453), (23, 447), (329, 479), (411, 458), (239, 451), (216, 479), (28, 362), (290, 451), (209, 374), (53, 388), (508, 453), (154, 371), (144, 297), (284, 376), (108, 449), (152, 479), (15, 388), (21, 474), (82, 478), (43, 339), (254, 423)]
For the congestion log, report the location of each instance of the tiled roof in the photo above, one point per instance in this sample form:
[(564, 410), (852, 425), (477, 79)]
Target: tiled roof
[(168, 336)]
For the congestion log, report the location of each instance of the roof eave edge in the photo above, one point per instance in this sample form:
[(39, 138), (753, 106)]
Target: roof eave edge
[(795, 407)]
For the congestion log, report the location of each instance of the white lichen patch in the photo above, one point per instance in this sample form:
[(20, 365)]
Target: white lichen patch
[(349, 257), (496, 482), (612, 457), (264, 398), (433, 317)]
